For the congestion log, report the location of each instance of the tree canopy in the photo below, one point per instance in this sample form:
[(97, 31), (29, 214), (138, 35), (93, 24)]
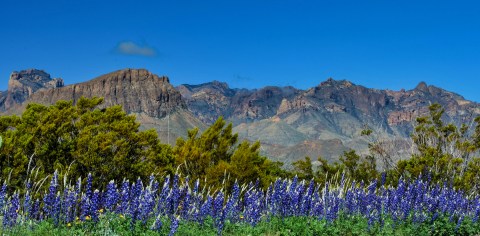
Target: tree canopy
[(216, 156), (77, 140)]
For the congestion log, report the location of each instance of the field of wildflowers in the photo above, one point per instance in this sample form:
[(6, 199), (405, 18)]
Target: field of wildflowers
[(287, 207)]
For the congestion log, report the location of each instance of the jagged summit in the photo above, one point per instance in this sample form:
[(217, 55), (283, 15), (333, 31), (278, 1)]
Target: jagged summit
[(22, 84), (332, 82), (35, 79), (422, 86)]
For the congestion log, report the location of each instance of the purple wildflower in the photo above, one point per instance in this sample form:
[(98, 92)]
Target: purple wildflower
[(95, 205), (157, 224), (10, 218), (173, 225), (124, 198), (111, 197), (50, 198)]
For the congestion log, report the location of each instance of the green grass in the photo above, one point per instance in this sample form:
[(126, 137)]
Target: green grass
[(115, 225)]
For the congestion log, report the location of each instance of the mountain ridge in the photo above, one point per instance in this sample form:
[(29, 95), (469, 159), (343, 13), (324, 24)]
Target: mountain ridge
[(332, 110), (323, 120)]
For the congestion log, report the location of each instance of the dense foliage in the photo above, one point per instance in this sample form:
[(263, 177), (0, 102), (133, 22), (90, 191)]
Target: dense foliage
[(215, 156), (156, 205), (81, 138), (76, 140), (444, 152)]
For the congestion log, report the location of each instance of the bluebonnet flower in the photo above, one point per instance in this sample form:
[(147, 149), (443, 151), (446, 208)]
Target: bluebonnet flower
[(11, 215), (307, 199), (78, 196), (35, 212), (88, 187), (157, 224), (218, 213), (205, 210), (154, 187), (477, 212), (459, 222), (276, 198), (56, 209), (186, 206), (124, 198), (349, 202), (231, 208), (296, 197), (316, 205), (147, 203), (69, 206), (111, 197), (162, 198), (95, 205), (135, 198), (383, 178), (50, 198), (253, 205), (85, 207), (3, 194), (174, 200), (27, 203), (173, 225)]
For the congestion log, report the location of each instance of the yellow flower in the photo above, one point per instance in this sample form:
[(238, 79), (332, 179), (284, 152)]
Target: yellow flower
[(69, 225), (101, 210), (88, 217), (241, 217), (121, 216), (77, 218)]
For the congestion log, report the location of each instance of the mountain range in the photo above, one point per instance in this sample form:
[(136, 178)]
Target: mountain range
[(290, 123)]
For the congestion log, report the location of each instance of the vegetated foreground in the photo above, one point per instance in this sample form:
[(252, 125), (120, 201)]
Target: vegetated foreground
[(287, 207)]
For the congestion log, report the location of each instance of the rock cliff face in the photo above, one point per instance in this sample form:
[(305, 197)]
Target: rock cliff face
[(23, 84), (153, 100), (210, 100), (138, 91)]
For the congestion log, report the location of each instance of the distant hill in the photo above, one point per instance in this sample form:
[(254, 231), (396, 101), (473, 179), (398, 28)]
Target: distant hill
[(291, 123), (324, 120)]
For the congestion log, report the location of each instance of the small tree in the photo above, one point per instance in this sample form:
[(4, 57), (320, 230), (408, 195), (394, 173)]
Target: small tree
[(444, 151), (216, 157)]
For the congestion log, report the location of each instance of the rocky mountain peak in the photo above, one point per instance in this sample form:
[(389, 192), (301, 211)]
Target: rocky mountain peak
[(330, 82), (22, 84), (219, 84), (137, 90), (422, 86), (32, 80)]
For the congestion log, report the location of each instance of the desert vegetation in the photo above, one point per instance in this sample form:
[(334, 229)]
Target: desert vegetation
[(87, 169)]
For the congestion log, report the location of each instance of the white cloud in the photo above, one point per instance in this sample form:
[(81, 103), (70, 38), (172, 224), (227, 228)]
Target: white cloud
[(132, 48)]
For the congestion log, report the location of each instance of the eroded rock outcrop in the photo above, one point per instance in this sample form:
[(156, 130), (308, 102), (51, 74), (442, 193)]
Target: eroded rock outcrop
[(138, 91), (23, 84)]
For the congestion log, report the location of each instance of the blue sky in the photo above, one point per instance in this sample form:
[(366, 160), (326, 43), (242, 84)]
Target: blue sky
[(378, 44)]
